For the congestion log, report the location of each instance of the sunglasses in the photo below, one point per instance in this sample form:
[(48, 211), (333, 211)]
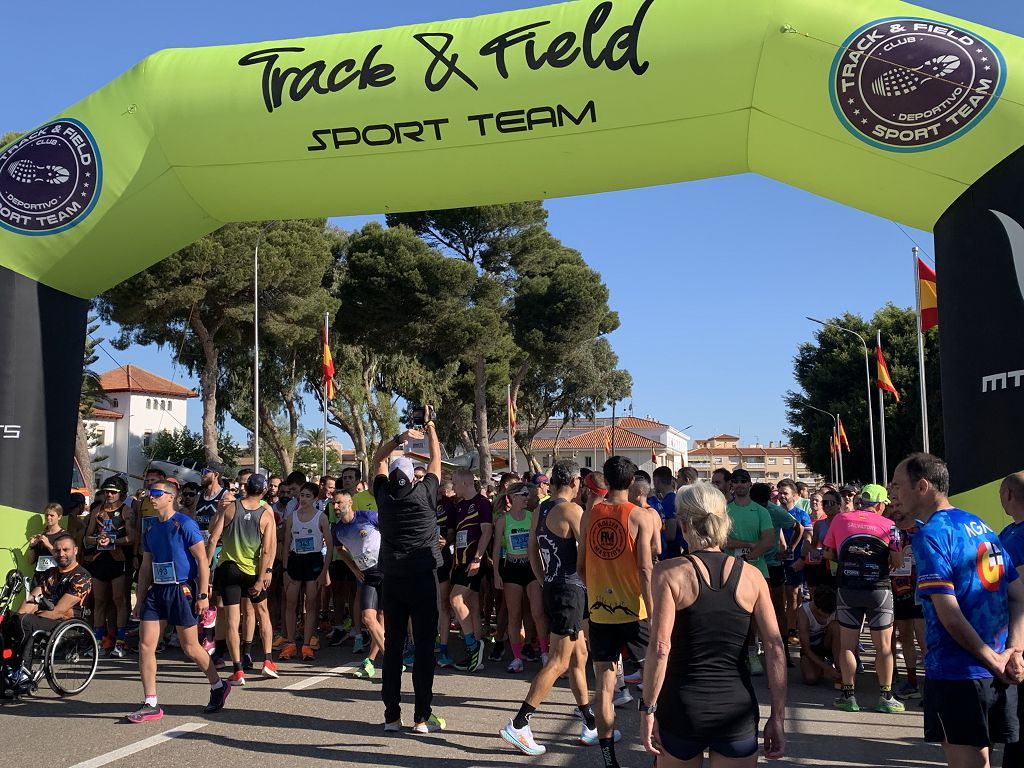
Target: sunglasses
[(849, 495), (111, 490), (522, 494), (827, 503), (156, 493), (188, 495)]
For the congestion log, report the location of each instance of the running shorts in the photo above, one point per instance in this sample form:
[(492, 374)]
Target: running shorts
[(306, 567), (905, 608), (972, 713), (776, 576), (461, 578), (565, 606), (516, 572), (370, 590), (853, 605), (105, 568), (687, 749), (340, 572), (171, 603), (608, 640), (232, 583)]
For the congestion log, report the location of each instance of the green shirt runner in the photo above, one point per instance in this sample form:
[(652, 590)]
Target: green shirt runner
[(747, 525)]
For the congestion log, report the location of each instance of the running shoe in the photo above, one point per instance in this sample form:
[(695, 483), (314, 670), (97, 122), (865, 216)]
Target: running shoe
[(890, 706), (395, 725), (588, 736), (144, 714), (247, 662), (408, 660), (209, 646), (307, 653), (522, 739), (314, 642), (287, 653), (337, 637), (107, 644), (477, 658), (237, 678), (217, 698), (908, 691), (529, 654), (633, 677), (846, 703), (120, 649), (365, 671), (756, 668), (431, 725), (269, 669), (209, 620), (279, 642), (325, 626), (359, 644), (515, 667), (497, 652), (347, 623), (444, 662), (622, 697)]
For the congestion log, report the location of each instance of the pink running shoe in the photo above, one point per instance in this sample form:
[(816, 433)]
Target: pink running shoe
[(209, 619)]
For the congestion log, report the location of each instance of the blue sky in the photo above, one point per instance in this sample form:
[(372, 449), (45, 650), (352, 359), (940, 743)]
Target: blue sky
[(712, 313)]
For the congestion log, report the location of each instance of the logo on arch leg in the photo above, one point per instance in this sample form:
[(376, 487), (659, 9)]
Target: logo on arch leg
[(908, 85), (49, 179), (991, 565)]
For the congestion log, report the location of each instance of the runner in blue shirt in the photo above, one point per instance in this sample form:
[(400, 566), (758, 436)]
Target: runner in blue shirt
[(974, 616), (173, 583)]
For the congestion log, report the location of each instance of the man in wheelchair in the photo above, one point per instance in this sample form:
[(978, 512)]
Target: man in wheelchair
[(59, 596)]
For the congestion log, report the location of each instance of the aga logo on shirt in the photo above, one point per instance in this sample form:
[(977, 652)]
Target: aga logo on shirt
[(991, 565)]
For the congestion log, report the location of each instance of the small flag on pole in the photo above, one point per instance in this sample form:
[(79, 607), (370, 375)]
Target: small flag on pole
[(654, 458), (884, 380), (511, 415), (607, 442), (328, 366), (842, 435), (927, 296)]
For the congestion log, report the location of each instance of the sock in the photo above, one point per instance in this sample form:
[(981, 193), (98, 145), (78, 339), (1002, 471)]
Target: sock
[(221, 647), (470, 639), (847, 691), (588, 716), (268, 656), (236, 666), (522, 719), (151, 701), (122, 633), (443, 649), (217, 686), (100, 633), (886, 691), (543, 645), (608, 753), (517, 652), (247, 648)]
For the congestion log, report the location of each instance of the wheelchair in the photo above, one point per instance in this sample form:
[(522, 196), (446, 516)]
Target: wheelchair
[(66, 655)]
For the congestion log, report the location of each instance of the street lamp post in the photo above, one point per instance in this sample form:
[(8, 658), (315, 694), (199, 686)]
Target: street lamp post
[(835, 436), (256, 349), (867, 375)]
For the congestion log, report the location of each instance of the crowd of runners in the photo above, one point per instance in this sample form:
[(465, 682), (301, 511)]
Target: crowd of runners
[(675, 592)]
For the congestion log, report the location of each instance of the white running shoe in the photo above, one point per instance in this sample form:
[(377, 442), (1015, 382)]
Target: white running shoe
[(522, 739), (622, 697), (515, 666), (543, 659), (588, 736)]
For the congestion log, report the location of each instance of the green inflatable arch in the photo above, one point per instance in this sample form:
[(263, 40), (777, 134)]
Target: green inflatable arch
[(878, 104)]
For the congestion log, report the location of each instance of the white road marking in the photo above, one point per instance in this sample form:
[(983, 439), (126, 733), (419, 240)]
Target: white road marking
[(309, 682), (138, 746)]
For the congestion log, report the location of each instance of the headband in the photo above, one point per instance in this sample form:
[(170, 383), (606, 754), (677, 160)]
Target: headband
[(592, 486)]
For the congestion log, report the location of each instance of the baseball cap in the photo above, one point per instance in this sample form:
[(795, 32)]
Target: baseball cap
[(401, 475), (741, 475), (875, 494), (538, 479), (256, 484), (850, 488), (215, 466)]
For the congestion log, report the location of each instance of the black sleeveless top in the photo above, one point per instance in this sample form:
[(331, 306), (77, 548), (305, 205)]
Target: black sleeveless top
[(707, 692), (558, 554)]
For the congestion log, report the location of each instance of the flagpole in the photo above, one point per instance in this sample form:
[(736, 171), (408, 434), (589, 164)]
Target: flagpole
[(326, 337), (920, 353), (881, 415), (833, 461)]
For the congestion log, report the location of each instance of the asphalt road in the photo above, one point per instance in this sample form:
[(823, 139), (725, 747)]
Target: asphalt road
[(316, 713)]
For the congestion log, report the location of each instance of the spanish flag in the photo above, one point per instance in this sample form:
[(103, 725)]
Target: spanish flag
[(842, 435), (328, 366), (654, 458), (511, 416), (927, 296), (608, 441), (884, 380)]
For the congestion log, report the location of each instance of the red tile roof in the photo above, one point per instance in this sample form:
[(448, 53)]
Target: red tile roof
[(725, 437), (131, 378), (635, 422), (105, 414), (623, 439)]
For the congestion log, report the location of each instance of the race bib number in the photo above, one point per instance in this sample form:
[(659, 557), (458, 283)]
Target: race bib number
[(206, 537), (814, 555), (741, 552), (304, 545), (45, 563), (906, 569), (791, 557), (365, 561), (164, 573), (462, 539), (519, 540)]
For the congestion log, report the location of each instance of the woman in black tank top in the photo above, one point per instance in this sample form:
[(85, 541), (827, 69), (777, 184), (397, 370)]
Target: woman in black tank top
[(697, 682)]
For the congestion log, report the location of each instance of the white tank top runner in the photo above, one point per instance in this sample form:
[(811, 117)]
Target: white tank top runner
[(307, 538)]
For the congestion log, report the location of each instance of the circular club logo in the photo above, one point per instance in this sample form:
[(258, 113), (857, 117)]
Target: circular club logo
[(909, 85), (607, 539), (990, 566), (49, 179)]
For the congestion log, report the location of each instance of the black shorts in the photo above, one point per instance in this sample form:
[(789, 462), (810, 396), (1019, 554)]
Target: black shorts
[(460, 578), (445, 571), (370, 590), (232, 583), (854, 605), (776, 576), (687, 749), (105, 568), (819, 575), (306, 567), (565, 606), (905, 608), (607, 641), (972, 713), (516, 572), (339, 571)]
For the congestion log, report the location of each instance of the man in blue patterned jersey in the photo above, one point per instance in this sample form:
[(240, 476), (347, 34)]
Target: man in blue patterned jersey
[(974, 616)]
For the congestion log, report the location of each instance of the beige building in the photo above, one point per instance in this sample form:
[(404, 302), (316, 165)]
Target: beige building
[(767, 464)]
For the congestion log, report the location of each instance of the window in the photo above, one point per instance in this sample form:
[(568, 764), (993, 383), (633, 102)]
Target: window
[(101, 435), (113, 402), (787, 460), (149, 403), (718, 459), (590, 461), (772, 460), (734, 459), (163, 404), (147, 438)]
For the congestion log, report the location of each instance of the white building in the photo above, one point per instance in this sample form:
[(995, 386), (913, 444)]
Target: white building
[(646, 442), (137, 405)]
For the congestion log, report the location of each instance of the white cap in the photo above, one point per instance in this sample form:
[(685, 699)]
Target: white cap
[(402, 464)]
